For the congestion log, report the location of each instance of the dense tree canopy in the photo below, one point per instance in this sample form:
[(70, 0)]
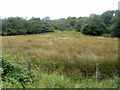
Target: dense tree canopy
[(115, 25), (107, 16), (94, 26), (20, 26), (106, 23)]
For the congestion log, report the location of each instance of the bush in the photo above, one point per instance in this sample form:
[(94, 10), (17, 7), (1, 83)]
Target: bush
[(94, 26), (13, 75)]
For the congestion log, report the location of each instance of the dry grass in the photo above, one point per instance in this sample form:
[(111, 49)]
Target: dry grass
[(63, 52)]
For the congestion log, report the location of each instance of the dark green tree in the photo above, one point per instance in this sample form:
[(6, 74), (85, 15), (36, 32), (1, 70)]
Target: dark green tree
[(107, 16), (115, 26), (94, 26)]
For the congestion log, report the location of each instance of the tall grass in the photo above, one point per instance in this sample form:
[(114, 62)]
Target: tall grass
[(15, 76), (68, 53)]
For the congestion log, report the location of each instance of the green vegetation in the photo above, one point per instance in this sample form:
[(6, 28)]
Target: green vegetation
[(65, 56), (95, 25), (60, 59), (15, 76)]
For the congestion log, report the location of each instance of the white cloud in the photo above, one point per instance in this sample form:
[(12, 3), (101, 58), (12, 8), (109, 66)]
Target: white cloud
[(55, 8)]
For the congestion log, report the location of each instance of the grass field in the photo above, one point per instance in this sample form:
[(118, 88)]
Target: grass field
[(67, 57)]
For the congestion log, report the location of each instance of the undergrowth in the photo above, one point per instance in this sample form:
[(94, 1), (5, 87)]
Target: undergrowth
[(15, 76)]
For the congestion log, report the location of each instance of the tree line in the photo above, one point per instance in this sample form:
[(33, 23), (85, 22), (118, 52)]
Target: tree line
[(106, 24)]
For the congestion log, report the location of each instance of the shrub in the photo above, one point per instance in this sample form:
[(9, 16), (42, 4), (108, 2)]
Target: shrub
[(13, 74)]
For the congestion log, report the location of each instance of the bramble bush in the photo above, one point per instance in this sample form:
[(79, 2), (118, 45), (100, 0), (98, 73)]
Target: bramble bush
[(14, 75)]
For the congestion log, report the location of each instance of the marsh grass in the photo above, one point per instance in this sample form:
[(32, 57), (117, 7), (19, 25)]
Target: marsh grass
[(68, 53)]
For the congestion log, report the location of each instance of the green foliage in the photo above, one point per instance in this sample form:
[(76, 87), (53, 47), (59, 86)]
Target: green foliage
[(115, 30), (20, 26), (107, 16), (54, 81), (46, 19), (115, 26), (14, 26), (61, 24), (14, 75), (94, 26), (80, 22)]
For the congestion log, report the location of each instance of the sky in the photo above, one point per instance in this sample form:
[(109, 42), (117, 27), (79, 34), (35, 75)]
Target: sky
[(55, 9)]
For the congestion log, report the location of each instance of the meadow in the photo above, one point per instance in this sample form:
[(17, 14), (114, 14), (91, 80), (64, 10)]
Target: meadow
[(65, 59)]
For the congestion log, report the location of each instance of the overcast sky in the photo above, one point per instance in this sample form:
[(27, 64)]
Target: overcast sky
[(55, 9)]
